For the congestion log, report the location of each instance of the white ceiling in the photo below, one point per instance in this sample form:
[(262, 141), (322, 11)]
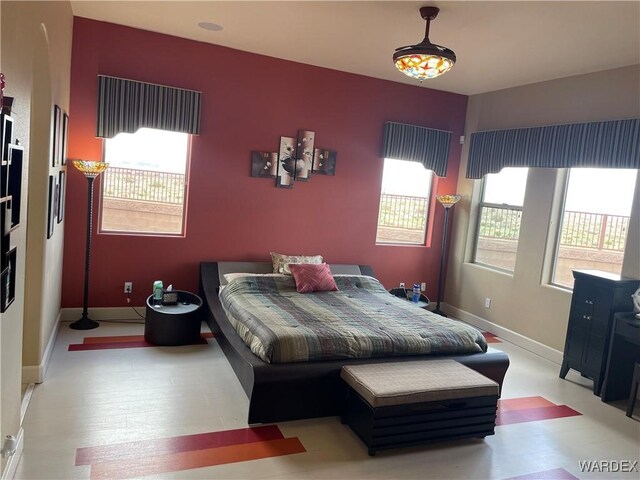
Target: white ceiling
[(498, 44)]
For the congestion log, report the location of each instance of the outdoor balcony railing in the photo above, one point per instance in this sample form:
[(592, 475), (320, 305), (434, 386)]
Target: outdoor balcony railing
[(579, 229), (143, 185), (594, 230), (402, 219), (403, 212)]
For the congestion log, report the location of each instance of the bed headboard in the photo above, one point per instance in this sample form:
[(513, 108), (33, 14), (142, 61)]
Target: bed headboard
[(267, 267)]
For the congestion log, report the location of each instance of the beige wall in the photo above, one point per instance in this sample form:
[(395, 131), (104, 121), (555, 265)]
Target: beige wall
[(523, 302), (35, 58)]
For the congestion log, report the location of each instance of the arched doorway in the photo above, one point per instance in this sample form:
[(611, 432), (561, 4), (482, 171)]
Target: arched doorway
[(36, 241)]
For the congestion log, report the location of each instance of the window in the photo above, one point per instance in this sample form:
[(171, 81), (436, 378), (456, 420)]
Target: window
[(500, 213), (404, 203), (143, 190), (595, 222)]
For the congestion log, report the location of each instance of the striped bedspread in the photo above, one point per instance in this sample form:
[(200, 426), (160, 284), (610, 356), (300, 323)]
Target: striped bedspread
[(361, 320)]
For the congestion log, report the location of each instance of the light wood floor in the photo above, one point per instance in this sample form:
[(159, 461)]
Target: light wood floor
[(111, 396)]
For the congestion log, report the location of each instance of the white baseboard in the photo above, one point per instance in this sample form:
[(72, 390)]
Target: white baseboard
[(35, 373), (26, 398), (123, 314), (518, 339), (12, 464)]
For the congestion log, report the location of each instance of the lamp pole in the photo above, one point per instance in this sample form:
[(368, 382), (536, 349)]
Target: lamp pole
[(447, 201), (91, 170)]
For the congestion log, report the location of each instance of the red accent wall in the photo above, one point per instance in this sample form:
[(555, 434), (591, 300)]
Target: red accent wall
[(248, 102)]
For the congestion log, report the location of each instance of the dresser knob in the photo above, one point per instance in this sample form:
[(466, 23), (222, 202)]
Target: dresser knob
[(589, 302)]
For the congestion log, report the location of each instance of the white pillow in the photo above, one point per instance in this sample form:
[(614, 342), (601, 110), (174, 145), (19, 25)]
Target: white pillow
[(232, 276)]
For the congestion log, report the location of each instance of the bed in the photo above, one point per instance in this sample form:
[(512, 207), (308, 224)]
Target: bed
[(301, 389)]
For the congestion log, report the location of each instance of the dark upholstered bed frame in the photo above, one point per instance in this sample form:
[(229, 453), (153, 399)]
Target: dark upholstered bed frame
[(289, 391)]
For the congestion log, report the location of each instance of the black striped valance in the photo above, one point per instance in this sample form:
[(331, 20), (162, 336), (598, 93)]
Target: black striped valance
[(417, 144), (127, 105), (614, 144)]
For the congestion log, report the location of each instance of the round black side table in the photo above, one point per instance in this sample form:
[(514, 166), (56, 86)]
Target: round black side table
[(173, 324), (407, 294)]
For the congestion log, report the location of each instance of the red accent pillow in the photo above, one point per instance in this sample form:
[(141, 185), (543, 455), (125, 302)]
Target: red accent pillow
[(312, 277)]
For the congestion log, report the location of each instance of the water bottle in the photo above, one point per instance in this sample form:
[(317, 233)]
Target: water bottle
[(157, 292), (416, 293)]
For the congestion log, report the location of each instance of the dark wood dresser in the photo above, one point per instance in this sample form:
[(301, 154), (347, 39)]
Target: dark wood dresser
[(596, 297)]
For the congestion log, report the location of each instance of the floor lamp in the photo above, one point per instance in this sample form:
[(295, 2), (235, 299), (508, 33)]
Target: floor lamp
[(91, 169), (447, 201)]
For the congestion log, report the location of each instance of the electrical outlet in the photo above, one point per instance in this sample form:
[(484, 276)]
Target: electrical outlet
[(487, 302), (128, 287), (401, 284), (423, 286)]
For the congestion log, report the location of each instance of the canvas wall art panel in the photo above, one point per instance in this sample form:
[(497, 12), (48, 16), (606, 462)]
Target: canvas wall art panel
[(264, 164), (324, 161), (304, 155), (286, 162)]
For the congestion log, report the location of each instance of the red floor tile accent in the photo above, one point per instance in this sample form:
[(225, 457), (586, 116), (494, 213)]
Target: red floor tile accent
[(153, 465), (523, 403), (534, 414), (491, 338), (171, 445), (133, 341), (555, 474), (129, 338)]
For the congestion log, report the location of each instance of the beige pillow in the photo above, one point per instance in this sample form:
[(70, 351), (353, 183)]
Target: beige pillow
[(281, 262)]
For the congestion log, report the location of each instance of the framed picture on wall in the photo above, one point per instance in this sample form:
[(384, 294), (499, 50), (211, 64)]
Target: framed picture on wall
[(55, 144), (51, 205), (61, 195), (63, 149)]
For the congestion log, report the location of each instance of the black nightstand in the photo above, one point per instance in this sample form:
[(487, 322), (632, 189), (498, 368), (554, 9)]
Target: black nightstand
[(173, 324), (407, 295)]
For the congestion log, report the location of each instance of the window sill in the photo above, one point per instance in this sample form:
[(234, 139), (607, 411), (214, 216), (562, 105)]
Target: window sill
[(482, 266)]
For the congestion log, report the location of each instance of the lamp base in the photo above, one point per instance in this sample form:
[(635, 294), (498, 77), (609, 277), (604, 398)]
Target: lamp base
[(437, 311), (85, 323)]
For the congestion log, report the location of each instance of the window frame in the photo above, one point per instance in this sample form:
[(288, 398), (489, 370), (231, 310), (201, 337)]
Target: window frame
[(476, 237), (428, 207), (557, 232), (183, 229)]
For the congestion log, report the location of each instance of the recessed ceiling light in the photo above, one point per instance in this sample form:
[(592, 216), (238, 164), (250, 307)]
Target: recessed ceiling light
[(214, 27)]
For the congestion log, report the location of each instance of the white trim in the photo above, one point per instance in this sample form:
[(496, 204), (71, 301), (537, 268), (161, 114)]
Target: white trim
[(107, 313), (26, 398), (12, 464), (35, 373), (509, 335)]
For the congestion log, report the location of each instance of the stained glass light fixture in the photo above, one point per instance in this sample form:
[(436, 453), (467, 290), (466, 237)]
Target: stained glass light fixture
[(424, 60), (91, 169)]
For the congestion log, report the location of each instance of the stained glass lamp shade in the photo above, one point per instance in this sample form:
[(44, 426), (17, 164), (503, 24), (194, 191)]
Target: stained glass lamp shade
[(90, 168), (448, 201)]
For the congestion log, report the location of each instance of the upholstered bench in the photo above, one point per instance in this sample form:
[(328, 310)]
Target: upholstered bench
[(399, 404)]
